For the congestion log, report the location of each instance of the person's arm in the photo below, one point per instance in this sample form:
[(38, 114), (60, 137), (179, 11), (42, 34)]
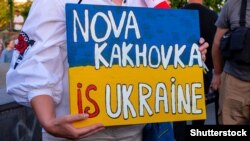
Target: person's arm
[(61, 127), (217, 58), (37, 80)]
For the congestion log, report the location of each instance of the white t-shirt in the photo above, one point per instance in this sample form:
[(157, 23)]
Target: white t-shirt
[(18, 22), (43, 70)]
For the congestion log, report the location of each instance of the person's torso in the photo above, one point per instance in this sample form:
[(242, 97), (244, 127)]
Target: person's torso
[(18, 18), (7, 56), (233, 16)]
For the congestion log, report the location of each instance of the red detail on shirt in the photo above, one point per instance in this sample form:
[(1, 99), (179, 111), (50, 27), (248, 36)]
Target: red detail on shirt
[(163, 4), (22, 44)]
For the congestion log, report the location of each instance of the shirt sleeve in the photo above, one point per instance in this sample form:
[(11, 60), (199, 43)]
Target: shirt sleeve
[(38, 63), (223, 19), (157, 3)]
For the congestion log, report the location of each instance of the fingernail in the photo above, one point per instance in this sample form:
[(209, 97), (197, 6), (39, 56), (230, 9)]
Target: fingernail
[(85, 115)]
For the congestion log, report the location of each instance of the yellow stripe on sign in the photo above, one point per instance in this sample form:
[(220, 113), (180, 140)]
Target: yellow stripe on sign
[(123, 96)]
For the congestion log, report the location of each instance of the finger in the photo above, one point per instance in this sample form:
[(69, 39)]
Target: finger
[(214, 87), (211, 89), (88, 134), (203, 57), (78, 117), (86, 131), (204, 46), (204, 52), (93, 132), (201, 41), (90, 128)]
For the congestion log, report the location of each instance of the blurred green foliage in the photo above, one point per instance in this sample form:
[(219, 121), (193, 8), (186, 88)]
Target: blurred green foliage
[(5, 12), (215, 5)]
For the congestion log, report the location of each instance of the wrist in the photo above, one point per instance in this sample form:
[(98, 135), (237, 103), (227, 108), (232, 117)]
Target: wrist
[(217, 71), (49, 125), (45, 114)]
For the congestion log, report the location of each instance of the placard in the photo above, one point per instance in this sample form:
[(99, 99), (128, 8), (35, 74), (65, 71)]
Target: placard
[(130, 65)]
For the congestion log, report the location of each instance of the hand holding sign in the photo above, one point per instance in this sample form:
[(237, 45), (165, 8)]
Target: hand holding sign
[(61, 127)]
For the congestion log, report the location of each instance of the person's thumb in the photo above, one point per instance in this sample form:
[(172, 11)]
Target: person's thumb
[(78, 117)]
